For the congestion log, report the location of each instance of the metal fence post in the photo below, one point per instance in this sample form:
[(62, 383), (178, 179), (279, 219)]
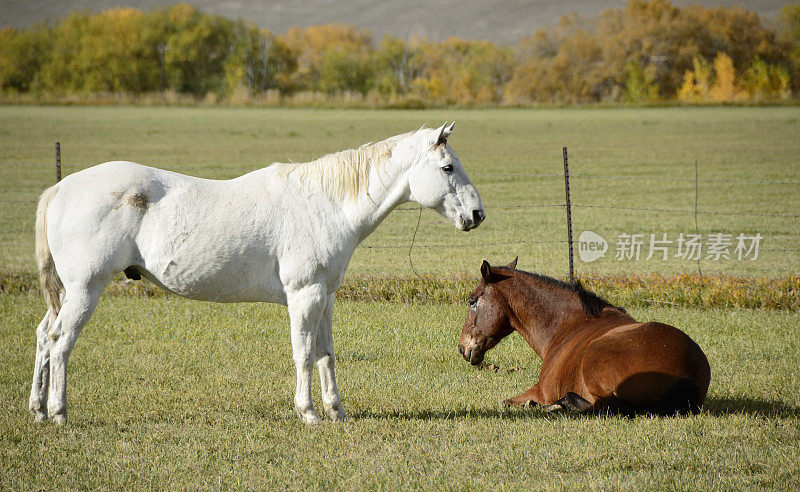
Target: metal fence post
[(696, 227), (569, 218)]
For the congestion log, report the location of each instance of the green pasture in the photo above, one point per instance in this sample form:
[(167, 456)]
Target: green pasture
[(501, 149), (169, 393)]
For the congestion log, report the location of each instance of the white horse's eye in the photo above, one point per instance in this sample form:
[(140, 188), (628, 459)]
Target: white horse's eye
[(448, 168)]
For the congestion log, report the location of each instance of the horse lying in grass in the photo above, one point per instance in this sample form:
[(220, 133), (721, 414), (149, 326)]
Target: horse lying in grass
[(283, 234), (595, 357)]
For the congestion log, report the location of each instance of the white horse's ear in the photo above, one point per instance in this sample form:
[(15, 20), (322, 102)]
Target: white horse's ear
[(444, 133)]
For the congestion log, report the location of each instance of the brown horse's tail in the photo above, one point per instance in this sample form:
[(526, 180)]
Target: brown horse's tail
[(48, 276)]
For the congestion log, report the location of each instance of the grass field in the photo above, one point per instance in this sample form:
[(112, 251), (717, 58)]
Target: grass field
[(496, 146), (202, 397), (166, 392)]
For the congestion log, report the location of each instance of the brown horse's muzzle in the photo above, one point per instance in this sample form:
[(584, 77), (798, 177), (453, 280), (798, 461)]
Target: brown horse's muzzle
[(473, 354)]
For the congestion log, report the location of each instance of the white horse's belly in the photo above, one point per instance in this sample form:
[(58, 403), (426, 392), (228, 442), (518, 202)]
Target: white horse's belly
[(235, 280), (205, 266), (220, 284)]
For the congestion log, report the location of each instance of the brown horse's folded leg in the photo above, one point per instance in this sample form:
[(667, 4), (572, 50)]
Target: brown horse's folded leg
[(571, 401), (526, 399)]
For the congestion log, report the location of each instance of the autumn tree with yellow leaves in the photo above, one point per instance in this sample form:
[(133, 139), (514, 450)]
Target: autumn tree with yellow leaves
[(649, 51)]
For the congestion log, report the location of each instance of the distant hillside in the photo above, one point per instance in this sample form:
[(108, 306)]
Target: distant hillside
[(503, 21)]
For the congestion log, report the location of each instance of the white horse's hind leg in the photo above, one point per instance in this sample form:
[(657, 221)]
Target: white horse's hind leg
[(325, 363), (305, 309), (41, 370), (79, 304)]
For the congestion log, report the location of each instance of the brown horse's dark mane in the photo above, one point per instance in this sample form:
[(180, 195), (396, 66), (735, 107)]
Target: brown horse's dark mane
[(592, 304)]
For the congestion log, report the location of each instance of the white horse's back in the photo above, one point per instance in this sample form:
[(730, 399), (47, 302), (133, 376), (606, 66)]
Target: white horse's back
[(199, 238)]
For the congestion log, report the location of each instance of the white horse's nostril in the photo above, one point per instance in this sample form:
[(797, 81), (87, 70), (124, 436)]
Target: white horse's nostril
[(478, 216)]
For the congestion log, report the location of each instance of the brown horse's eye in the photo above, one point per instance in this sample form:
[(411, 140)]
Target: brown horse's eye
[(472, 302)]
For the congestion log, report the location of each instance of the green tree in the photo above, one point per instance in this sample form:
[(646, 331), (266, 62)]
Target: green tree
[(258, 62), (766, 82), (106, 52), (197, 47), (396, 65), (640, 84), (22, 54), (345, 70)]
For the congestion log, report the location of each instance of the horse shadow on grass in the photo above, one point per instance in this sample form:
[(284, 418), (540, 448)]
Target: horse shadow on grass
[(720, 406), (714, 405), (455, 414)]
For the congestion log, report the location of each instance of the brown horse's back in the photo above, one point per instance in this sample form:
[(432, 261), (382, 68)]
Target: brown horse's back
[(645, 368)]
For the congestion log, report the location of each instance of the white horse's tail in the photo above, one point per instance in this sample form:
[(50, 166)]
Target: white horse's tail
[(48, 277)]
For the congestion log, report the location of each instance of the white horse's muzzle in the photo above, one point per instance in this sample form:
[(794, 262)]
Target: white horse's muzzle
[(469, 222)]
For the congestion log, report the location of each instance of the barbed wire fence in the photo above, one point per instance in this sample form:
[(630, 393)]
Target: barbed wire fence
[(568, 205)]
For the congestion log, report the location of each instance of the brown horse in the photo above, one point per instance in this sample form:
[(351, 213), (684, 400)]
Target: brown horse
[(595, 356)]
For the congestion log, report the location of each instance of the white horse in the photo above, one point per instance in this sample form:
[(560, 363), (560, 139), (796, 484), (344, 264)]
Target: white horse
[(283, 234)]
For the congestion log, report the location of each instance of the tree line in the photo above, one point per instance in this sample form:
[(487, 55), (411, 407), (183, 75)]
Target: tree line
[(649, 51)]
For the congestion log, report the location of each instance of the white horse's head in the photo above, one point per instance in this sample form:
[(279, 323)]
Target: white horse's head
[(437, 179)]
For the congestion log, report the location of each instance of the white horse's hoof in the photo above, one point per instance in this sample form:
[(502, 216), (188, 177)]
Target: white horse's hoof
[(311, 420), (38, 412), (309, 417), (337, 415), (59, 419)]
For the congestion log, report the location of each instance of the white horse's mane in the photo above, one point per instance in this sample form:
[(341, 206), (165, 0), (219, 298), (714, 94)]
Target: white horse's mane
[(343, 175)]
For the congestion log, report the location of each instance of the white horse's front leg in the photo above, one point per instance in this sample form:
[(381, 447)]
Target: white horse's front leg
[(306, 306), (325, 363)]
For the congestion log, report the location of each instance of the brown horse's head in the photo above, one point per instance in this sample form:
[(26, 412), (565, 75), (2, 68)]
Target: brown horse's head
[(488, 318)]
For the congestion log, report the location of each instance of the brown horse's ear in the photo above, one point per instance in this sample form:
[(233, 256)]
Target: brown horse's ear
[(513, 263), (486, 270), (491, 275)]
